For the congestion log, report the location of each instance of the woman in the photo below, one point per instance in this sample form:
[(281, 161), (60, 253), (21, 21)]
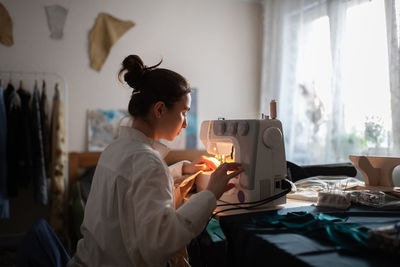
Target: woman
[(130, 219)]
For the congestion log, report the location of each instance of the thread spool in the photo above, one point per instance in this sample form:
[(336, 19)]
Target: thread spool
[(272, 109)]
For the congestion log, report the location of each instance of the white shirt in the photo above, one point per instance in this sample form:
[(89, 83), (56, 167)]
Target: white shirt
[(130, 219)]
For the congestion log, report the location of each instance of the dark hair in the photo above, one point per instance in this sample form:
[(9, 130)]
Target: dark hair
[(150, 85)]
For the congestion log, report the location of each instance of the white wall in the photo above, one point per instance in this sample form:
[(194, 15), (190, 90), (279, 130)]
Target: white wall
[(215, 44)]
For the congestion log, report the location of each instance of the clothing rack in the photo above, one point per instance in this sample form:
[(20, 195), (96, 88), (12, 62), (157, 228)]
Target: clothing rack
[(28, 79), (35, 76)]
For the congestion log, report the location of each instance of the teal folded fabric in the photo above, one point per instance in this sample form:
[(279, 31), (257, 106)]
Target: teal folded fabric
[(214, 231), (325, 228)]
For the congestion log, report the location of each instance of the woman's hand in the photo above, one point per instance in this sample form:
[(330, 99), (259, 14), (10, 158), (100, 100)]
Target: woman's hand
[(220, 178), (201, 164)]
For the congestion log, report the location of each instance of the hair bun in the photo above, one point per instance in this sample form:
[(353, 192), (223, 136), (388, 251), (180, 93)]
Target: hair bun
[(135, 70), (133, 63)]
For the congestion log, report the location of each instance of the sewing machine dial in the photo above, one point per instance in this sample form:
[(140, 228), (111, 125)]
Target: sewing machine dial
[(272, 136), (232, 128), (219, 127), (243, 128)]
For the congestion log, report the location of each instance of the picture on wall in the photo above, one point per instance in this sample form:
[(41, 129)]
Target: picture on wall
[(192, 129), (103, 127)]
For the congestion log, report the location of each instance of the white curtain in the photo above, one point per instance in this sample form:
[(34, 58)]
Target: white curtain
[(319, 64), (392, 8)]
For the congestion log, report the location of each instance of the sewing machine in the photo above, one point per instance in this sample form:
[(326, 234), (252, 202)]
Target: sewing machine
[(258, 145)]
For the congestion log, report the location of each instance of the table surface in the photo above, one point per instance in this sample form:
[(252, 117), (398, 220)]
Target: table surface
[(250, 245), (290, 203)]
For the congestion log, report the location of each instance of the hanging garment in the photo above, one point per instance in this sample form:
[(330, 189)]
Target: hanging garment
[(6, 27), (25, 166), (104, 34), (40, 180), (58, 163), (4, 203), (56, 16), (44, 119), (13, 111)]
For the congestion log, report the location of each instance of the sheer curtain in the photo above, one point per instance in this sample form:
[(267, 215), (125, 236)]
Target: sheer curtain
[(326, 63), (392, 8)]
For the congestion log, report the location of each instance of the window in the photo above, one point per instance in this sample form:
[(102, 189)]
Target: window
[(365, 77), (334, 85)]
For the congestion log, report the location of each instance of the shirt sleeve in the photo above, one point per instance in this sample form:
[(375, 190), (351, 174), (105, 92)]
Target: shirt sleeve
[(176, 169), (160, 230)]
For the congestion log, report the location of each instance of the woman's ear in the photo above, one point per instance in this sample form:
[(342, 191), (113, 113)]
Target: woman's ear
[(159, 109)]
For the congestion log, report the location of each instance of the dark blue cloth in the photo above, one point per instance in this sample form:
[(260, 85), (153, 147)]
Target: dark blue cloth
[(252, 243), (40, 180), (4, 203), (25, 165), (13, 111), (41, 247), (45, 123)]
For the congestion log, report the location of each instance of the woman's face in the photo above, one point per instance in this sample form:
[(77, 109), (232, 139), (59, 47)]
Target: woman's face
[(175, 118)]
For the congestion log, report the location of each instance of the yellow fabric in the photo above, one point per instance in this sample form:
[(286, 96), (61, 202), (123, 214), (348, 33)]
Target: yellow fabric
[(6, 27), (182, 186), (180, 259), (104, 34)]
